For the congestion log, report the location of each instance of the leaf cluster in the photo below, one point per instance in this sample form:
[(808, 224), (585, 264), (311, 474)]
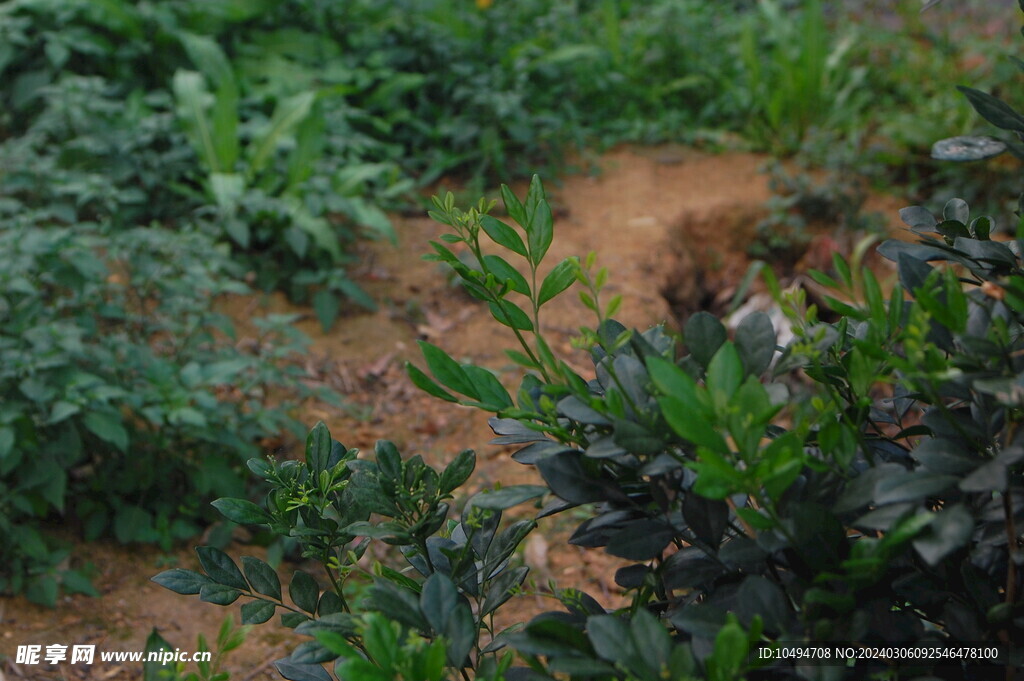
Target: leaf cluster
[(428, 621)]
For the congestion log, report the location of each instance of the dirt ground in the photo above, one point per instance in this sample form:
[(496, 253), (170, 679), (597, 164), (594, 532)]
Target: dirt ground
[(669, 223)]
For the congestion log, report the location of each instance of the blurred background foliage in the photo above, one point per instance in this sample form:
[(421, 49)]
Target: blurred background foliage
[(155, 155)]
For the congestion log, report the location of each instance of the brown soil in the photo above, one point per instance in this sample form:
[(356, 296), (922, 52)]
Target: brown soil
[(669, 223)]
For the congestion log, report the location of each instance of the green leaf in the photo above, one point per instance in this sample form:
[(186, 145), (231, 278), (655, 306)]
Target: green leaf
[(242, 512), (510, 315), (62, 410), (221, 569), (257, 612), (262, 577), (642, 539), (610, 637), (190, 91), (690, 425), (326, 306), (438, 601), (458, 471), (502, 233), (107, 427), (558, 279), (304, 591), (704, 335), (506, 273), (218, 594), (540, 222), (294, 671), (427, 384), (755, 343), (507, 497), (181, 581), (515, 209), (151, 669), (566, 476), (949, 531), (725, 372), (493, 395), (288, 114), (993, 110), (318, 448), (502, 587), (447, 370)]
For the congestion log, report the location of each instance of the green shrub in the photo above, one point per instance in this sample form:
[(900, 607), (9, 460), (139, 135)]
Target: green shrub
[(127, 406), (876, 505)]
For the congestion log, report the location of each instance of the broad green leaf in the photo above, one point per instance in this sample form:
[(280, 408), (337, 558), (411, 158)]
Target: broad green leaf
[(288, 114), (559, 279), (191, 94), (949, 531), (107, 427)]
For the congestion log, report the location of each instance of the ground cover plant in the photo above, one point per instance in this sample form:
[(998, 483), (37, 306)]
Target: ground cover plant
[(126, 407)]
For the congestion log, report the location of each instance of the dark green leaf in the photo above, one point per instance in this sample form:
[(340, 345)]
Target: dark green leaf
[(755, 342), (566, 476), (642, 539), (294, 671), (460, 633), (107, 427), (458, 471), (911, 487), (218, 594), (257, 612), (438, 601), (704, 334), (221, 569), (507, 497), (241, 511), (950, 530), (181, 581), (304, 591), (610, 637), (993, 110), (318, 448), (502, 587), (262, 577), (759, 596)]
